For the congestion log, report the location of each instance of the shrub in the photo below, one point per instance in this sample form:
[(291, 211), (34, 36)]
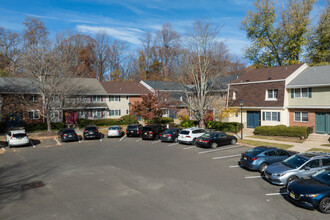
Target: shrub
[(233, 127), (188, 123), (126, 119), (43, 126), (82, 123), (282, 130), (162, 120)]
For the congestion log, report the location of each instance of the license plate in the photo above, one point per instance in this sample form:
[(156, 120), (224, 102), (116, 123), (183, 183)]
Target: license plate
[(164, 135), (70, 135), (19, 138), (90, 132), (292, 195), (131, 131), (145, 133)]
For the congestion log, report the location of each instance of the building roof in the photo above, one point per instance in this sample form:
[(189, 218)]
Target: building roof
[(164, 85), (9, 85), (126, 88), (267, 74), (312, 77)]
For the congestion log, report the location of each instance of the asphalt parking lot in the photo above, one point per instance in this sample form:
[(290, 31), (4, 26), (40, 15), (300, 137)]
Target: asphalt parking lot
[(127, 178)]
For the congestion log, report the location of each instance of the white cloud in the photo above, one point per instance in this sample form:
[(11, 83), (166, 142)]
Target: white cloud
[(126, 34)]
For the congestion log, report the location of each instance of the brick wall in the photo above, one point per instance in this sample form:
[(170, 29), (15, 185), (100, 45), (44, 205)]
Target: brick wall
[(311, 117)]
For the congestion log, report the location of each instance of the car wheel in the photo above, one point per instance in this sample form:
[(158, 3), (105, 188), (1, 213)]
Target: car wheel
[(9, 146), (291, 179), (157, 137), (233, 141), (324, 205), (194, 142), (176, 140), (214, 145), (262, 167)]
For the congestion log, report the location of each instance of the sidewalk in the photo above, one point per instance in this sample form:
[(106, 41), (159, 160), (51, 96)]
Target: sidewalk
[(299, 147)]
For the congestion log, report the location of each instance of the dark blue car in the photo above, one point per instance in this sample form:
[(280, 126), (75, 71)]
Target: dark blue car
[(314, 191), (259, 158)]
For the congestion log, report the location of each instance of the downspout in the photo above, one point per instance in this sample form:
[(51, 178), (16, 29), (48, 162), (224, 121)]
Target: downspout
[(228, 95)]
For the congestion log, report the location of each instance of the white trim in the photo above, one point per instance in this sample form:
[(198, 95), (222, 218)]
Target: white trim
[(306, 86), (268, 81), (147, 86), (295, 73), (260, 108), (309, 107)]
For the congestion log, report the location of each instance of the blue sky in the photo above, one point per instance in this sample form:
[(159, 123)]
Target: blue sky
[(129, 19)]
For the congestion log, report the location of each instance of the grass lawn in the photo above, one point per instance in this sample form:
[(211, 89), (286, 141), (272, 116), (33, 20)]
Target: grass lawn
[(276, 138), (320, 149), (326, 145), (262, 143)]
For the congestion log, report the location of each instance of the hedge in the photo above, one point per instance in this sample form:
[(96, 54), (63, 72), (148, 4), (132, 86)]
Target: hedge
[(189, 123), (282, 130), (82, 123), (233, 127), (162, 120), (129, 119), (43, 126)]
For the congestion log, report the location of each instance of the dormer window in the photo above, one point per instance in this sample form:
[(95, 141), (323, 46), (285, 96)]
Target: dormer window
[(234, 95), (272, 94)]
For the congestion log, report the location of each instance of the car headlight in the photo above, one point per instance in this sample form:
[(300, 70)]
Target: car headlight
[(311, 195), (279, 174)]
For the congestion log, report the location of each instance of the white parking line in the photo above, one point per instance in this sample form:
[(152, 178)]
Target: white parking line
[(101, 139), (32, 144), (57, 141), (236, 155), (139, 140), (276, 194), (219, 149), (233, 166), (252, 177), (122, 138), (3, 149), (156, 142), (186, 148), (173, 144)]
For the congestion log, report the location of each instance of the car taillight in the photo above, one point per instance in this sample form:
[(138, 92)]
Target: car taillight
[(197, 139), (254, 158), (11, 136), (138, 131), (85, 130), (169, 135), (26, 134), (205, 141), (188, 136), (64, 135), (151, 132), (96, 131), (75, 134)]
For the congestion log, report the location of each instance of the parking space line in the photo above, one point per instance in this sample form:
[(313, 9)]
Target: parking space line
[(217, 158), (57, 141), (219, 149), (173, 144), (252, 177), (122, 138), (186, 148), (156, 142), (3, 149), (234, 166), (101, 139), (276, 194), (139, 140), (32, 144)]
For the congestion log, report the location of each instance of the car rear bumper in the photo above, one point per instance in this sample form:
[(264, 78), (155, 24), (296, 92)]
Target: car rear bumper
[(75, 138), (91, 136), (19, 142), (147, 137), (166, 139), (249, 165), (133, 133), (184, 142), (114, 134), (203, 145)]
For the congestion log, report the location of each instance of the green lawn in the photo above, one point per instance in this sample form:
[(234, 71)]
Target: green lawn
[(320, 149), (326, 145), (275, 138), (262, 143)]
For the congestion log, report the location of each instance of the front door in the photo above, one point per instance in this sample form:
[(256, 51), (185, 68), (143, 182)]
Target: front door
[(322, 122), (253, 119)]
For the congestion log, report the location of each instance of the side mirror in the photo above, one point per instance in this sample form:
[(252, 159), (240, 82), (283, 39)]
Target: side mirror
[(307, 168)]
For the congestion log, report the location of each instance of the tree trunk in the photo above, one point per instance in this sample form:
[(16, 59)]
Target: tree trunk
[(49, 126), (201, 123)]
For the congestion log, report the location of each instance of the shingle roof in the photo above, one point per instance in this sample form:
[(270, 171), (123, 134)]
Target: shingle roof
[(270, 73), (124, 88), (164, 85), (15, 84), (312, 76)]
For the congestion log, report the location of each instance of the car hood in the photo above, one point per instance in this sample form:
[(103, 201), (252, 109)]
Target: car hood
[(308, 186), (277, 168)]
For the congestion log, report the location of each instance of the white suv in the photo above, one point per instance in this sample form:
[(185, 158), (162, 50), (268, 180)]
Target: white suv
[(17, 138), (189, 135)]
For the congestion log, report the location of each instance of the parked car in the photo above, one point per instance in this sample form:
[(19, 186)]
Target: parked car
[(17, 138), (170, 135), (215, 139), (67, 134), (115, 131), (314, 191), (297, 166), (259, 158), (91, 132), (134, 130), (190, 135), (151, 132)]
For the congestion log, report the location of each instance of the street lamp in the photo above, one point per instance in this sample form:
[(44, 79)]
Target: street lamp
[(241, 103), (129, 113)]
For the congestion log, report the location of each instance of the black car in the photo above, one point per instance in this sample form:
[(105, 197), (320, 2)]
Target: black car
[(314, 191), (215, 139), (151, 132), (91, 132), (170, 135), (133, 130), (67, 134)]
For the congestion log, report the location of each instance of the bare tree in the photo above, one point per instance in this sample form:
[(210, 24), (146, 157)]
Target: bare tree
[(118, 55), (102, 62), (204, 61)]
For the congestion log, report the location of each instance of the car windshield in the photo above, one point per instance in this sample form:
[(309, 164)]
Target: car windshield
[(208, 135), (294, 161), (169, 131), (255, 151), (68, 131), (132, 127), (91, 128), (114, 128), (19, 135), (146, 129), (184, 132), (322, 176)]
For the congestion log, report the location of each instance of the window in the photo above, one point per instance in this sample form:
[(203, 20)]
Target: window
[(97, 98), (326, 162), (271, 153), (34, 114), (272, 94), (115, 112), (96, 114), (234, 95), (282, 153), (33, 98), (271, 116), (83, 114), (114, 98), (126, 97), (301, 116), (55, 115), (127, 112), (313, 164), (301, 93), (181, 98)]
